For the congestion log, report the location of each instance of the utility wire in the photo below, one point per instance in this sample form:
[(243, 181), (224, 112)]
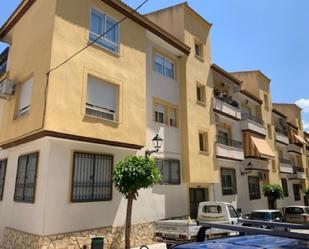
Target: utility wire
[(99, 37)]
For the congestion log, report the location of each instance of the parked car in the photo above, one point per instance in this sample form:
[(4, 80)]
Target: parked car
[(266, 215), (178, 231), (296, 214)]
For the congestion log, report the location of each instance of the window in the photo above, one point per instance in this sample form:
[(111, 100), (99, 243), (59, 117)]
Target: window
[(25, 94), (99, 24), (212, 209), (223, 137), (198, 48), (200, 93), (164, 66), (266, 103), (92, 177), (284, 183), (254, 187), (101, 99), (172, 117), (170, 171), (160, 114), (2, 176), (228, 181), (296, 190), (233, 212), (26, 178), (164, 113), (203, 141), (269, 130)]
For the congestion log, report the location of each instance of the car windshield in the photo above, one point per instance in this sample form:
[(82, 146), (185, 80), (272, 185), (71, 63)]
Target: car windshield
[(233, 212), (276, 215), (260, 216)]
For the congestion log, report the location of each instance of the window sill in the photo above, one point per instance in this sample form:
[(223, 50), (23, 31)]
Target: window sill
[(199, 58), (21, 117), (102, 119), (204, 153), (201, 103), (105, 49), (165, 77)]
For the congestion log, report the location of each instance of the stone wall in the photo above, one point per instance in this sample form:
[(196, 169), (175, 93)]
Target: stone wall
[(142, 234)]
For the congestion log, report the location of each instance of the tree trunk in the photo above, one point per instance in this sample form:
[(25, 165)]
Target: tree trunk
[(128, 220), (272, 204)]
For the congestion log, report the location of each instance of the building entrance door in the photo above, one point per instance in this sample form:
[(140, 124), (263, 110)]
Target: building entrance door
[(197, 195)]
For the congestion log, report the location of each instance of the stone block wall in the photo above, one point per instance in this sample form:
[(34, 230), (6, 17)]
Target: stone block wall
[(141, 234)]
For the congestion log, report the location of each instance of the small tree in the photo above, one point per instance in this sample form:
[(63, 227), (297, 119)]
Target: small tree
[(130, 175), (273, 192)]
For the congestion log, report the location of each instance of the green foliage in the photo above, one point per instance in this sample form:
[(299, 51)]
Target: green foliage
[(273, 191), (134, 173)]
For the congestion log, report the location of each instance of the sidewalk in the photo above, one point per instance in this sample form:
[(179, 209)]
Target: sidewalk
[(156, 246)]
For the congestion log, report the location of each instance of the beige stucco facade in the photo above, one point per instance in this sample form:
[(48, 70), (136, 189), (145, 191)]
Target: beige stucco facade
[(216, 114)]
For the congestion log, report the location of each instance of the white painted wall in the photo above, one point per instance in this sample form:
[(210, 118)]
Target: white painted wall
[(24, 216)]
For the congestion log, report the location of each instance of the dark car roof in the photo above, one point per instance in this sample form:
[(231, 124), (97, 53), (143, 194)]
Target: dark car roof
[(249, 242)]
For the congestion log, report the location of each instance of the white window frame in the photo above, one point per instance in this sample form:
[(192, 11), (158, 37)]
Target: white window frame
[(164, 67), (24, 110), (93, 36), (101, 109)]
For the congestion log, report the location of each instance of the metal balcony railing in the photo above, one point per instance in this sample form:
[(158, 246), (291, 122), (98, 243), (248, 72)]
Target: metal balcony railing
[(225, 98), (245, 116), (229, 142), (281, 130), (298, 169), (285, 161)]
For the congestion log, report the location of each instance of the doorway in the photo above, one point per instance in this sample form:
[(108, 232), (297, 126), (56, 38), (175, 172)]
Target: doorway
[(197, 195)]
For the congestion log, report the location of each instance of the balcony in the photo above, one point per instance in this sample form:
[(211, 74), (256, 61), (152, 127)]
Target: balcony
[(229, 149), (3, 61), (293, 148), (253, 123), (256, 164), (281, 135), (225, 105), (298, 173), (285, 166)]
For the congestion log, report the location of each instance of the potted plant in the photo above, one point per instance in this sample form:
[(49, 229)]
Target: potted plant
[(273, 192)]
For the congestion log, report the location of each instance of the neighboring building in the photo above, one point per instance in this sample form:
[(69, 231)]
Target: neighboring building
[(62, 130)]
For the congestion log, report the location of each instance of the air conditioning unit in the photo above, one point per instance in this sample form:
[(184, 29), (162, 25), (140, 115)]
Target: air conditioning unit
[(7, 88), (262, 176)]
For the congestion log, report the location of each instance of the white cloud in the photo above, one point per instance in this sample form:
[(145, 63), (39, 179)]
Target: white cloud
[(306, 125), (304, 104)]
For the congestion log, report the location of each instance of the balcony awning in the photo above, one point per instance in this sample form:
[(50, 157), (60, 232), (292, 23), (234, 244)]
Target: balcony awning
[(263, 148), (300, 139)]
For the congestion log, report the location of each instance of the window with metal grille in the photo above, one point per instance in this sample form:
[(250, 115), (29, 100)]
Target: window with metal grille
[(296, 190), (254, 187), (170, 171), (2, 176), (26, 178), (92, 177), (228, 181), (160, 113), (284, 183)]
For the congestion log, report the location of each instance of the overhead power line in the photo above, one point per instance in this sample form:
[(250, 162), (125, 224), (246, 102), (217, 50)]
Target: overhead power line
[(99, 37)]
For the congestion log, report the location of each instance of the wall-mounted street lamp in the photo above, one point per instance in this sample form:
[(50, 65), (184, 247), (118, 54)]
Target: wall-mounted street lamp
[(157, 144)]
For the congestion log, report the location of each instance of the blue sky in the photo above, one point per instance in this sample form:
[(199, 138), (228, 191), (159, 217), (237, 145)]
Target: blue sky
[(271, 36)]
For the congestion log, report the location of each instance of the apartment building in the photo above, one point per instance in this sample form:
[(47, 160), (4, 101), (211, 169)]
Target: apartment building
[(64, 127)]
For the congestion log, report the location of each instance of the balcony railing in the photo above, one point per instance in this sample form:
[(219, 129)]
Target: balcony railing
[(249, 116), (285, 161), (229, 142), (281, 131), (225, 98), (298, 169)]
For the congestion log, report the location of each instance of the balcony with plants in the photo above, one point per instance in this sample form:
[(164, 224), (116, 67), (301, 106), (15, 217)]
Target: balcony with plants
[(226, 105)]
